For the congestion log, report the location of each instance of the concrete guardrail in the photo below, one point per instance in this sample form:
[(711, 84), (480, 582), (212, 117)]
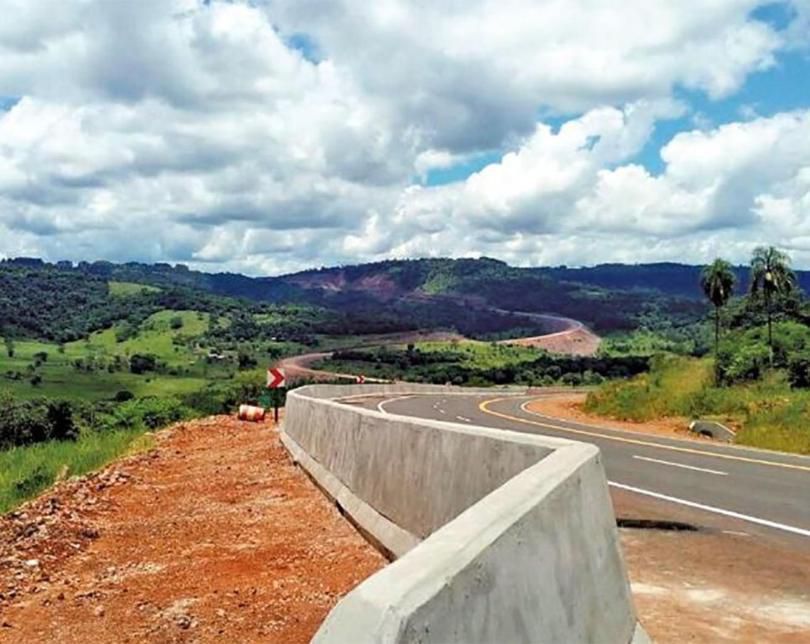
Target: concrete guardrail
[(498, 536)]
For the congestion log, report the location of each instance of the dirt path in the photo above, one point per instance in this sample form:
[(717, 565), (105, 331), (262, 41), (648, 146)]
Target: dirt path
[(213, 536), (571, 337)]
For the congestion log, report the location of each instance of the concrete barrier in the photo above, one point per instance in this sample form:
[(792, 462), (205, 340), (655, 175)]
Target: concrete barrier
[(501, 536)]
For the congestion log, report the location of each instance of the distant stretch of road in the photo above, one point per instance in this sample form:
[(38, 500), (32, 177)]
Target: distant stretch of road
[(766, 490)]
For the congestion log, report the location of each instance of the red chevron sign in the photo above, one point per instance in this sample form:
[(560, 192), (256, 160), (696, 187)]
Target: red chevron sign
[(276, 378)]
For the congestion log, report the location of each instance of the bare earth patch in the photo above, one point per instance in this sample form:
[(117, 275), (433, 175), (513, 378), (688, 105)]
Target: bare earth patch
[(576, 342), (719, 584), (569, 406), (213, 536)]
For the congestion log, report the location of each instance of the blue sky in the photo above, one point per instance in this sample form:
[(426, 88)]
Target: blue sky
[(783, 87)]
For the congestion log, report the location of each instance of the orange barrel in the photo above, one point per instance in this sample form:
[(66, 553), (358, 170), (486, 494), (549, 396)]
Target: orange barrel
[(251, 413)]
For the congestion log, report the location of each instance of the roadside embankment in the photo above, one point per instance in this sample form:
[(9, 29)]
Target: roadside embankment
[(211, 536)]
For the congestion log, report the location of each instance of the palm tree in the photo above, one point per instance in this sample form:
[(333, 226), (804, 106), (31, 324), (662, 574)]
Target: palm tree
[(717, 281), (771, 275)]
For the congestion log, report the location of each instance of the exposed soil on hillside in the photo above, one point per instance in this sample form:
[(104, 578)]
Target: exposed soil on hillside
[(577, 342), (212, 536)]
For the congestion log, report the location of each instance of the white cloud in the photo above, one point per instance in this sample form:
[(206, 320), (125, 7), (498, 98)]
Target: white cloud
[(185, 131)]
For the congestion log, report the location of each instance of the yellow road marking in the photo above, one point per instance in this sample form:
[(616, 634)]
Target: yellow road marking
[(484, 407)]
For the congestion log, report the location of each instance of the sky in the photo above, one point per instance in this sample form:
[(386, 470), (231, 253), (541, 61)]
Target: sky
[(268, 136)]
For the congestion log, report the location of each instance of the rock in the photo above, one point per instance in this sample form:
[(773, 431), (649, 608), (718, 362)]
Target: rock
[(32, 563), (712, 429), (99, 611)]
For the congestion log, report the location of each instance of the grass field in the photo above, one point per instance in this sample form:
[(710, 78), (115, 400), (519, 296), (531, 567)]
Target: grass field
[(61, 378), (125, 289), (767, 414), (483, 355), (27, 471)]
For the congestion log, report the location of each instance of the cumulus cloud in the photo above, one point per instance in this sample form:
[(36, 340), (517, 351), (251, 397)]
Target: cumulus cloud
[(204, 132)]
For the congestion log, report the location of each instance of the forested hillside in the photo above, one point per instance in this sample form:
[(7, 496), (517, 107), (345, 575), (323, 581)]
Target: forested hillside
[(403, 294)]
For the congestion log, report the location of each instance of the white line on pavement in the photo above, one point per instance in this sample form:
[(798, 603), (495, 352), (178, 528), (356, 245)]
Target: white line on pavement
[(462, 418), (686, 467), (709, 508), (381, 405)]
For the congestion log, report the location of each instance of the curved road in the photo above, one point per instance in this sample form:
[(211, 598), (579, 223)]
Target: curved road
[(727, 487)]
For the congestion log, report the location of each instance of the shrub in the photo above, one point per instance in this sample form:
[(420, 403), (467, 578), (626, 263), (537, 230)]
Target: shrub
[(246, 361), (799, 370), (123, 396), (23, 422), (148, 413), (739, 363), (141, 363)]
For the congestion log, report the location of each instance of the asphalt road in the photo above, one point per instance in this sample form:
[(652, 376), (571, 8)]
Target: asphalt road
[(767, 491)]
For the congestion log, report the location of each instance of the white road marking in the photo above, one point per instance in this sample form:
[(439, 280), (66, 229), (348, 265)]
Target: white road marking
[(462, 418), (709, 508), (381, 405), (441, 411), (686, 467)]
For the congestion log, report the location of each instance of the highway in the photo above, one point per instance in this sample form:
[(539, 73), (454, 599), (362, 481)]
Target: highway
[(765, 491)]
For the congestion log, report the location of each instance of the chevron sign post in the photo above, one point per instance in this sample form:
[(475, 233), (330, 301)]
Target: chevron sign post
[(276, 379)]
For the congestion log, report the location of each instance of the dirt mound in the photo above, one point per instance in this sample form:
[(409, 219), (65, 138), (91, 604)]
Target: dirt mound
[(212, 536), (576, 342)]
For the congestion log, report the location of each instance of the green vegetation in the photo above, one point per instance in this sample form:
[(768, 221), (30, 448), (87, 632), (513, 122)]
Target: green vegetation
[(27, 471), (480, 364), (761, 369), (126, 289), (767, 413), (717, 281), (771, 276), (44, 442)]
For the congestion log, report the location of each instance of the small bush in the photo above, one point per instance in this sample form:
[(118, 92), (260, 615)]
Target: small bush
[(799, 371), (741, 363), (148, 413), (141, 363), (23, 422)]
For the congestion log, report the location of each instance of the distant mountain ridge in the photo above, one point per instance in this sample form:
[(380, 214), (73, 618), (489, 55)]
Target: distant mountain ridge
[(468, 295), (392, 279)]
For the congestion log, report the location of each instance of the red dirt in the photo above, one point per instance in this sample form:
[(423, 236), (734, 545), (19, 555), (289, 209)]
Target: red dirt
[(212, 536), (577, 342), (724, 583)]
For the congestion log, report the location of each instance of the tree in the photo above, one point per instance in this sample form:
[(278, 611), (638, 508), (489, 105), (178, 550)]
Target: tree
[(771, 275), (9, 346), (717, 281)]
